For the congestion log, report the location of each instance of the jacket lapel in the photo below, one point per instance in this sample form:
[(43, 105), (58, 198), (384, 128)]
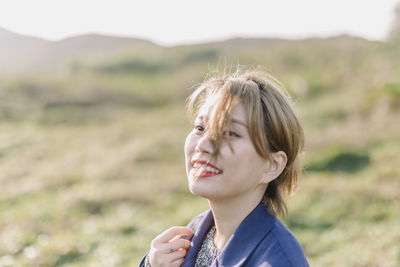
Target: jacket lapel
[(247, 236), (204, 225)]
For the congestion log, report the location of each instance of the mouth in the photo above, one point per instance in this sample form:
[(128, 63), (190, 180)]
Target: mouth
[(203, 169)]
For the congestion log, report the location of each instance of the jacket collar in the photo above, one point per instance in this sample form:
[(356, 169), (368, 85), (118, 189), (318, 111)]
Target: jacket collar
[(241, 244), (199, 235)]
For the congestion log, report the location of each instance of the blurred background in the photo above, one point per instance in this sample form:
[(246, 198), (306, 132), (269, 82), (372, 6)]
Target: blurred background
[(92, 122)]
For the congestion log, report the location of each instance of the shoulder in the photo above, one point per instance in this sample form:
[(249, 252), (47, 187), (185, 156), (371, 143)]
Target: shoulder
[(281, 248), (288, 243)]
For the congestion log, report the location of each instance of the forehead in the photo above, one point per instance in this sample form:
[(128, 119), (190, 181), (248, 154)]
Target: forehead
[(238, 112)]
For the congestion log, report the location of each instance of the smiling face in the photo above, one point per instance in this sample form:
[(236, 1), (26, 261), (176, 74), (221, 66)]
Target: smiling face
[(237, 171), (246, 128)]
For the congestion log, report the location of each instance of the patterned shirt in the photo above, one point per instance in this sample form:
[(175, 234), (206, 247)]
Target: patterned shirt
[(208, 252)]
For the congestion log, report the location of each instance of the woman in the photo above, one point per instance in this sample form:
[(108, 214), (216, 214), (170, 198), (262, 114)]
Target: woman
[(242, 156)]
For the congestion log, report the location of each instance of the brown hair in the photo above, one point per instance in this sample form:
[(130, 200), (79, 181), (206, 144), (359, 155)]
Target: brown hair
[(273, 123)]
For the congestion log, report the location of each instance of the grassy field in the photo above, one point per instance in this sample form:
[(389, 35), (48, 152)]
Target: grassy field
[(92, 167)]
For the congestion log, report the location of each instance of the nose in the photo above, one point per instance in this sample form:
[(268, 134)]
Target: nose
[(204, 144)]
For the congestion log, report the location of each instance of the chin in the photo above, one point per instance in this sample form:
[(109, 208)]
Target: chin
[(195, 189), (205, 191)]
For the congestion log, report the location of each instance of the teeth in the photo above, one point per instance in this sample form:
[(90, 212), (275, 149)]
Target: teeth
[(205, 167), (197, 165)]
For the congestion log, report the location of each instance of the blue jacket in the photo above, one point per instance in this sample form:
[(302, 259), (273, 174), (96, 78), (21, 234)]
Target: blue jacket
[(260, 240)]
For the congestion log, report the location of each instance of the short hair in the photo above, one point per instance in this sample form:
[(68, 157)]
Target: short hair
[(272, 123)]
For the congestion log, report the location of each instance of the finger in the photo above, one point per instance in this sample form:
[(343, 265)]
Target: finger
[(178, 262), (174, 245), (172, 232), (180, 243), (162, 258), (178, 254), (186, 237)]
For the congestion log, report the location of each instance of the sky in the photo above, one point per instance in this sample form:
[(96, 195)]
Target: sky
[(172, 22)]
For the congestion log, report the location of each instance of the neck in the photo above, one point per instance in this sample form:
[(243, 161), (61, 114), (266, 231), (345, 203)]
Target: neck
[(228, 214)]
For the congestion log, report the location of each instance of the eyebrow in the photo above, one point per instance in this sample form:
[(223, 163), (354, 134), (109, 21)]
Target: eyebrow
[(239, 122), (233, 121)]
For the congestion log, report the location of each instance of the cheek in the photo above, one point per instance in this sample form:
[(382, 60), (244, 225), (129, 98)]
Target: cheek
[(245, 161), (189, 145), (186, 149)]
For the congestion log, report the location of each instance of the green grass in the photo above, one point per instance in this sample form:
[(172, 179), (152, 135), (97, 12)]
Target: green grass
[(92, 165)]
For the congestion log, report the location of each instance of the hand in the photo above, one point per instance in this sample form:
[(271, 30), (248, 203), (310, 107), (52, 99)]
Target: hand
[(168, 249)]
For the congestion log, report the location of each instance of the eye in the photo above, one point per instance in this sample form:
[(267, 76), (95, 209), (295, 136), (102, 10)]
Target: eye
[(198, 128), (230, 134)]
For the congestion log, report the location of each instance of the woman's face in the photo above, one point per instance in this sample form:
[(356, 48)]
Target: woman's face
[(235, 173)]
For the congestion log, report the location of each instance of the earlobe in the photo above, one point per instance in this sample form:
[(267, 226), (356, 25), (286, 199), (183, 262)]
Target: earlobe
[(275, 165)]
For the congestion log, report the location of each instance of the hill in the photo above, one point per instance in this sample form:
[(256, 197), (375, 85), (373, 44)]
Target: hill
[(92, 130), (19, 53)]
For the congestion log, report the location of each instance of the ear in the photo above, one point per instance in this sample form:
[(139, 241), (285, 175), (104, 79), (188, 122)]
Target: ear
[(275, 165)]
